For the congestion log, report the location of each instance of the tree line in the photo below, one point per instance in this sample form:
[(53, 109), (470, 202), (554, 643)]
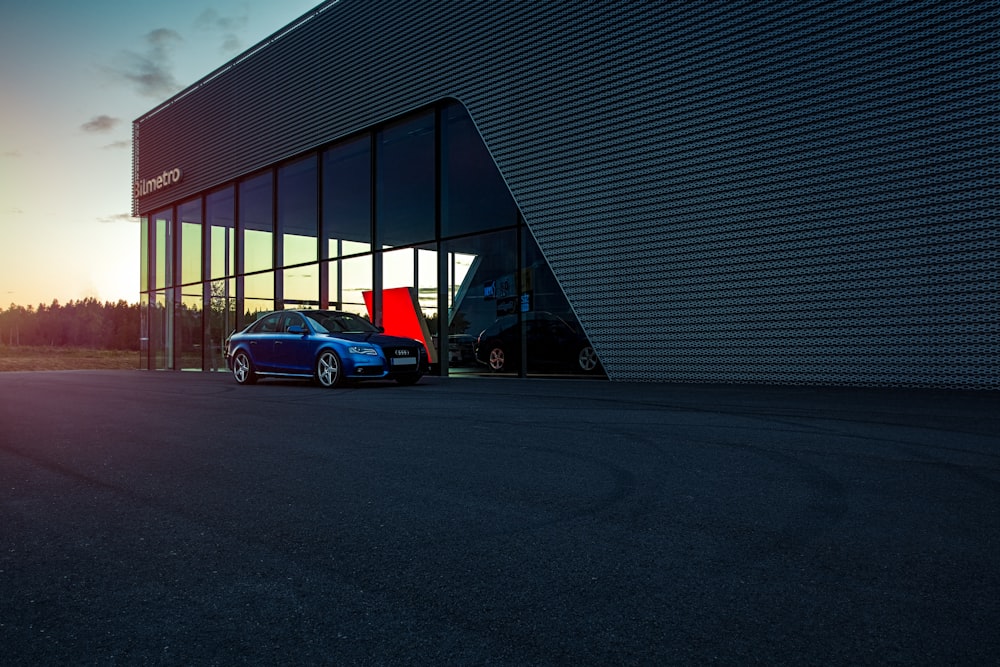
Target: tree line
[(86, 323)]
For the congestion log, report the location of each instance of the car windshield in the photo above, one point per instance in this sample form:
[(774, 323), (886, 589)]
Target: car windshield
[(325, 322)]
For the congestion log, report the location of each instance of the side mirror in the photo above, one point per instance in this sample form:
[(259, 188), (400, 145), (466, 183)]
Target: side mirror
[(297, 330)]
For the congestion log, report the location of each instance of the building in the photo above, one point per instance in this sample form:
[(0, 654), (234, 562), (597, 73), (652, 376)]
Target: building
[(771, 192)]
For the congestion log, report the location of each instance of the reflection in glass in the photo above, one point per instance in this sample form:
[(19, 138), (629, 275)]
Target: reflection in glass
[(301, 286), (556, 343), (163, 256), (144, 223), (416, 269), (474, 197), (220, 321), (355, 280), (297, 211), (256, 223), (405, 182), (189, 215), (258, 295), (221, 238), (479, 268), (188, 328), (145, 308), (161, 337), (347, 193)]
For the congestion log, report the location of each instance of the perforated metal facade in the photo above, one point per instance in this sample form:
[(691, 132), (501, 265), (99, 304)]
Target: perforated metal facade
[(773, 192)]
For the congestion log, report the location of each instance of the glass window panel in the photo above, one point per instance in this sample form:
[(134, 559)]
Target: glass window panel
[(301, 286), (258, 290), (220, 322), (189, 215), (405, 182), (161, 331), (414, 271), (145, 309), (188, 328), (355, 280), (412, 267), (347, 193), (481, 271), (398, 268), (144, 223), (333, 270), (427, 280), (163, 241), (256, 223), (556, 342), (297, 211), (221, 237), (474, 197)]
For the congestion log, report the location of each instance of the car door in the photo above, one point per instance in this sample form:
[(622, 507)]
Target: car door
[(293, 352), (261, 342)]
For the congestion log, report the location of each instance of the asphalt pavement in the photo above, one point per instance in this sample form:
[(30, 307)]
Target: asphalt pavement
[(162, 518)]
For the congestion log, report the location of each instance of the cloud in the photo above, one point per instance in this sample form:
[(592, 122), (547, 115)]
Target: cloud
[(116, 218), (211, 20), (228, 26), (15, 210), (118, 145), (12, 153), (150, 71), (100, 123)]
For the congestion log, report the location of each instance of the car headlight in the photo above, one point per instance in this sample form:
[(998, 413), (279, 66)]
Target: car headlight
[(366, 351)]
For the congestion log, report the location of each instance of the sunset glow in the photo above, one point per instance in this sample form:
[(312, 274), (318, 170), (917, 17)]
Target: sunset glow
[(75, 77)]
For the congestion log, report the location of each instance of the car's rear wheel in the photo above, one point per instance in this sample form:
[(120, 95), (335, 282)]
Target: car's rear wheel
[(243, 369), (329, 371), (497, 359), (587, 360)]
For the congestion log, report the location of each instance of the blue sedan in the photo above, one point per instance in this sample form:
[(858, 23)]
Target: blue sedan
[(324, 345)]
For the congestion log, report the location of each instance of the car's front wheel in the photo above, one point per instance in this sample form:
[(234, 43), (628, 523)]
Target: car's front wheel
[(497, 359), (329, 371), (243, 369)]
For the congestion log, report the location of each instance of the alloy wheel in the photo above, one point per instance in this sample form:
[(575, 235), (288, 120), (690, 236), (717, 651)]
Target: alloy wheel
[(328, 369), (243, 369), (587, 359), (497, 359)]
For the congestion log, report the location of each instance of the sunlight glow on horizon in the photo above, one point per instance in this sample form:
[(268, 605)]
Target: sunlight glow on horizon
[(77, 75)]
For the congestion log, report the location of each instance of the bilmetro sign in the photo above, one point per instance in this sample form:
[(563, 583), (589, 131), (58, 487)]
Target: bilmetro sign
[(147, 186)]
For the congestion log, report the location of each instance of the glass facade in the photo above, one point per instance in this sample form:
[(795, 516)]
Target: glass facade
[(413, 212)]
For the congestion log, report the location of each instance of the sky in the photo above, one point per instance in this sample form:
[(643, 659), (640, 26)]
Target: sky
[(74, 76)]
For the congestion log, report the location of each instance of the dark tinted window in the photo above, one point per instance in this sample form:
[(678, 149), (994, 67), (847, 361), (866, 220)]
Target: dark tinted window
[(333, 322), (297, 211), (267, 324), (474, 197), (347, 194), (291, 320), (257, 222), (405, 182), (221, 240)]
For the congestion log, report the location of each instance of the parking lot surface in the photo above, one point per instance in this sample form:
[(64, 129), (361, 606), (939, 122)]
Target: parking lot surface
[(176, 518)]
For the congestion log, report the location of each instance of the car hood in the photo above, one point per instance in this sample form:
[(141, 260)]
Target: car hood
[(374, 338)]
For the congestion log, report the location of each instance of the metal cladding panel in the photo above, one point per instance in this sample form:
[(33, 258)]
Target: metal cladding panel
[(781, 192)]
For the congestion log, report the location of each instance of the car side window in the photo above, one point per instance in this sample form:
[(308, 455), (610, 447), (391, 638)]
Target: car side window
[(267, 325), (292, 320)]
